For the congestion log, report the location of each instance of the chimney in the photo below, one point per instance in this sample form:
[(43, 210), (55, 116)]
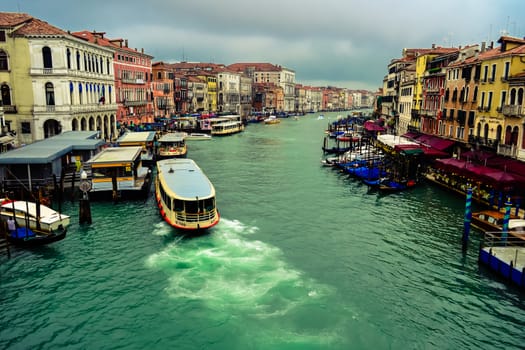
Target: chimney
[(483, 46), (491, 45), (126, 43), (433, 46)]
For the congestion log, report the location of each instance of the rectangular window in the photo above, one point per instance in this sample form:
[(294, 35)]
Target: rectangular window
[(489, 102), (25, 127), (2, 36), (485, 73), (506, 73), (503, 98), (493, 76)]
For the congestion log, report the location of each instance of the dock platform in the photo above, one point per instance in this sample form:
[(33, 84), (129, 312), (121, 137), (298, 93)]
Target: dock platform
[(505, 258)]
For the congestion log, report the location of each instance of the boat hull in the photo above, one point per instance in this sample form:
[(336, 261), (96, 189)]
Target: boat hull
[(31, 238)]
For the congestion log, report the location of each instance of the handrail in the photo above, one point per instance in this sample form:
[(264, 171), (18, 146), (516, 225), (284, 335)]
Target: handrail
[(495, 239), (207, 216)]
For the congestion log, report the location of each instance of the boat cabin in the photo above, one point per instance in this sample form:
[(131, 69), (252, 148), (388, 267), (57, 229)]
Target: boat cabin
[(172, 145)]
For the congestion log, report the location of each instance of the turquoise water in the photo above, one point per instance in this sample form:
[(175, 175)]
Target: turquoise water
[(304, 258)]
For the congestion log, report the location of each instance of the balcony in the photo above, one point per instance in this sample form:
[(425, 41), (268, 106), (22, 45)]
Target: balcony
[(484, 141), (513, 111), (133, 81), (128, 103), (10, 109), (508, 150)]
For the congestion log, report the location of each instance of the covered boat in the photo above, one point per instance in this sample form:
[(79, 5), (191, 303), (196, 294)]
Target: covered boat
[(32, 223), (185, 196)]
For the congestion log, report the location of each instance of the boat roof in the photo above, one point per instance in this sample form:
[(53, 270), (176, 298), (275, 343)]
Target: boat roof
[(116, 154), (514, 223), (30, 207), (494, 213), (229, 122), (139, 136), (173, 137), (47, 150), (183, 177)]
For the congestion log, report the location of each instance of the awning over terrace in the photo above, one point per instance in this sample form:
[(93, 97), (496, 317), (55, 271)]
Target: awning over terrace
[(495, 177)]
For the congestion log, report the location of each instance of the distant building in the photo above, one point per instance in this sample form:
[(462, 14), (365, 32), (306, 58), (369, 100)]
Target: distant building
[(270, 73), (133, 77)]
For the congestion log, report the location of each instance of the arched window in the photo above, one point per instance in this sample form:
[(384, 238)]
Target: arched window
[(107, 66), (50, 94), (475, 96), (6, 95), (74, 125), (80, 93), (68, 54), (4, 62), (78, 60), (512, 96), (520, 97), (46, 56)]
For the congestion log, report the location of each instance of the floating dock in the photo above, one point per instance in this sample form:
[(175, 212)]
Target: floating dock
[(505, 257)]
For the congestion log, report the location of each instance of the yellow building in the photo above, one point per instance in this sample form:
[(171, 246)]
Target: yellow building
[(211, 81), (500, 110)]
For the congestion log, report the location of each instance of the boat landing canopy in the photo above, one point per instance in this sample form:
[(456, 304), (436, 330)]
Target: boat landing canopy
[(139, 136), (116, 155)]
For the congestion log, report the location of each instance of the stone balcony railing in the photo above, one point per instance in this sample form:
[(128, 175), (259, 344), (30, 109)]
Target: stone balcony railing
[(513, 111), (87, 108)]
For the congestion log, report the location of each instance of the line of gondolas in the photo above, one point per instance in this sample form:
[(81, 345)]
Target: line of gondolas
[(493, 183), (81, 166)]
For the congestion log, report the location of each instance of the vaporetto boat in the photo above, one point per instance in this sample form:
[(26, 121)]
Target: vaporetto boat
[(185, 196)]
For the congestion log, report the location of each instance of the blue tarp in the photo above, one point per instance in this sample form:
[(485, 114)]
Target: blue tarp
[(22, 232)]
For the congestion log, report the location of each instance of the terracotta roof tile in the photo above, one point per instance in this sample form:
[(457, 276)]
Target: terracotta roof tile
[(261, 67), (35, 26), (11, 19)]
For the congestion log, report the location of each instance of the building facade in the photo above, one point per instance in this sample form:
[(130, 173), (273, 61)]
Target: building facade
[(53, 81)]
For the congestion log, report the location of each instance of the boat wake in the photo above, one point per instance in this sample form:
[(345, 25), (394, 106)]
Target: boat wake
[(248, 280)]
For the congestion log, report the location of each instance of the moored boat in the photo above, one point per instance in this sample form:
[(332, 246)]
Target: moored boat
[(172, 145), (34, 224), (491, 220), (185, 196), (272, 120), (197, 136)]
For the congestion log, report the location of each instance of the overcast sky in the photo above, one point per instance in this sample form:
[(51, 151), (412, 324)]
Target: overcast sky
[(344, 43)]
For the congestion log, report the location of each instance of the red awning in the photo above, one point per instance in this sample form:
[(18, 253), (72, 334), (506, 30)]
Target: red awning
[(435, 142), (411, 135), (371, 126)]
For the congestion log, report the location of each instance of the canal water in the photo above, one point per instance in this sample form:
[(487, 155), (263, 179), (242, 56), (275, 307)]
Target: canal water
[(304, 258)]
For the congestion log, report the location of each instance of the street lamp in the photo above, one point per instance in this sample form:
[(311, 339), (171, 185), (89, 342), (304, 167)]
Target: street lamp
[(85, 209)]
